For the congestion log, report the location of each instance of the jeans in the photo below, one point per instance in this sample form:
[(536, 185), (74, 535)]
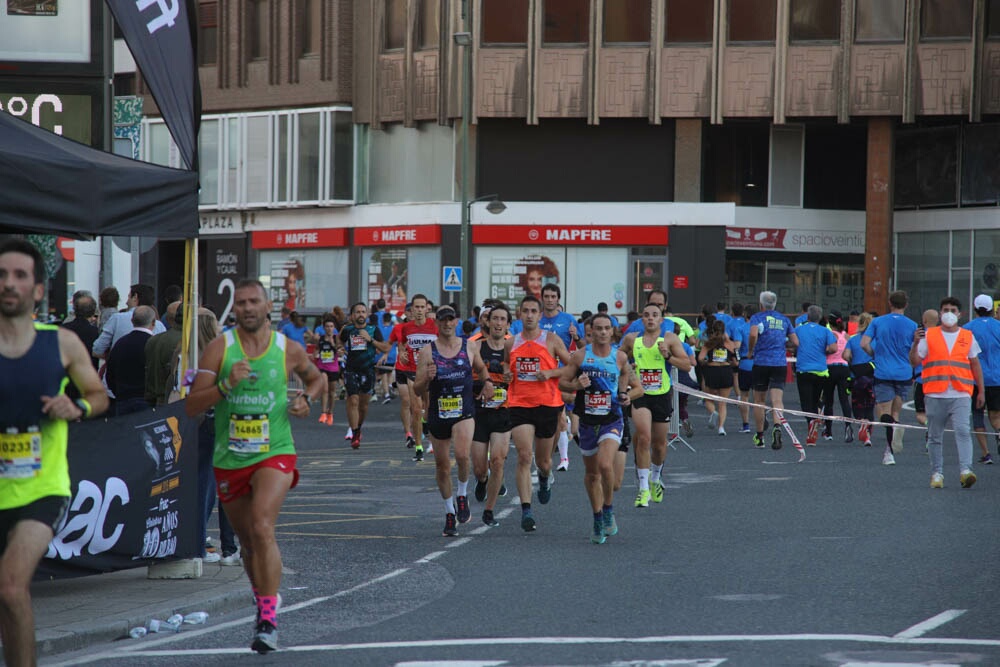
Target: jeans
[(939, 412)]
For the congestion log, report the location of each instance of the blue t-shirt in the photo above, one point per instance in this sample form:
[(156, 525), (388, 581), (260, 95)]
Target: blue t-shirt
[(298, 334), (986, 329), (773, 329), (741, 334), (894, 335), (811, 355), (638, 328), (801, 319), (559, 324), (386, 330), (858, 355)]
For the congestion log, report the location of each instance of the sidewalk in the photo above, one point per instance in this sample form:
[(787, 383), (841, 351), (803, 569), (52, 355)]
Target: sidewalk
[(71, 614)]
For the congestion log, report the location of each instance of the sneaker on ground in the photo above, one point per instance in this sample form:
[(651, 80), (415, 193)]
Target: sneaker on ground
[(265, 637), (480, 490), (386, 399), (563, 465), (656, 491), (231, 559), (350, 434), (967, 478), (687, 429), (418, 455), (888, 459), (937, 481), (642, 500), (527, 523), (503, 489), (322, 418), (597, 535), (462, 504), (429, 448), (897, 440), (849, 433), (776, 437), (745, 428), (545, 490), (489, 520), (410, 442), (987, 459), (356, 441), (812, 435), (450, 530), (722, 430), (758, 441), (713, 419), (211, 557), (828, 437), (610, 525)]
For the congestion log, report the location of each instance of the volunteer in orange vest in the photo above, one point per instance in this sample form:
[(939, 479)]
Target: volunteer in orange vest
[(950, 372)]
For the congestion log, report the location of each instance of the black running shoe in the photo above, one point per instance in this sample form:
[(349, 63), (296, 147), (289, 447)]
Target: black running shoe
[(545, 489), (849, 433), (265, 637), (776, 437), (418, 455), (503, 489), (480, 490), (410, 442), (527, 523), (449, 526), (758, 441), (489, 520), (463, 515)]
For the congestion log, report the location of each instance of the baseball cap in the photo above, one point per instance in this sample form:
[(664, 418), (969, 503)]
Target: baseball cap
[(983, 301), (445, 312)]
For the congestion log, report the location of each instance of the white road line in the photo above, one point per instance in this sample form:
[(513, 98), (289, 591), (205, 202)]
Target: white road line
[(924, 627), (431, 556), (479, 531), (459, 542)]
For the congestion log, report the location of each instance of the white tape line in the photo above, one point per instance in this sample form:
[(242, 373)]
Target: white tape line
[(924, 627)]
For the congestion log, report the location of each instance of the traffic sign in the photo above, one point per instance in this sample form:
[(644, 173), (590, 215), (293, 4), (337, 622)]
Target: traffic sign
[(451, 278)]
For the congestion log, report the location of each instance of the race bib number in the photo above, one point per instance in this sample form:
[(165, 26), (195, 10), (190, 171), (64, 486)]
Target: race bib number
[(498, 399), (720, 354), (527, 369), (326, 356), (449, 407), (652, 380), (20, 453), (358, 343), (248, 434), (597, 403)]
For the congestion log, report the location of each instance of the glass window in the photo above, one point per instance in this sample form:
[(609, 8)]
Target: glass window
[(786, 166), (993, 18), (880, 20), (395, 24), (159, 144), (920, 270), (505, 21), (208, 167), (567, 22), (926, 167), (282, 161), (257, 29), (342, 185), (311, 27), (429, 34), (744, 281), (233, 167), (736, 163), (627, 21), (980, 168), (960, 251), (208, 33), (752, 20), (815, 20), (255, 161), (689, 21), (308, 157), (319, 277), (945, 19), (986, 265)]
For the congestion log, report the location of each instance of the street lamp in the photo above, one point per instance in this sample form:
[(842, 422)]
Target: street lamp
[(464, 39)]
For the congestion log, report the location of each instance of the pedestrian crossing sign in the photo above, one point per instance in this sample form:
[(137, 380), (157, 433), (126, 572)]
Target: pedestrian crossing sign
[(451, 278)]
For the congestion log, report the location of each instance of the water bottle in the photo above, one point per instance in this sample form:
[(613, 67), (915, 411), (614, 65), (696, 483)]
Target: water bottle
[(174, 622), (196, 618), (137, 632)]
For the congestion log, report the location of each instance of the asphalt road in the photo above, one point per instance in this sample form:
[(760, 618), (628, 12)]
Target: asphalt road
[(752, 559)]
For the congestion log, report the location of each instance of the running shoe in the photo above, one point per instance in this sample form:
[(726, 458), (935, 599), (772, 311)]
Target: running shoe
[(429, 448), (356, 441), (527, 522), (418, 454), (410, 442), (563, 465), (211, 557), (450, 530), (597, 536), (849, 433), (489, 520), (463, 514), (967, 478), (231, 559), (642, 500), (350, 434), (503, 489), (897, 440), (686, 428), (987, 459), (828, 436), (813, 434), (722, 431), (937, 481), (545, 490), (610, 525), (713, 420), (385, 399), (758, 441), (322, 418), (265, 637), (998, 443), (480, 490), (745, 428), (776, 437), (865, 435), (656, 491), (888, 459)]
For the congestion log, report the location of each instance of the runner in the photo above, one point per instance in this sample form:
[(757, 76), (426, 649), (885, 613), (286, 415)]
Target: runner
[(327, 351), (36, 363), (717, 361), (654, 353), (535, 403), (363, 342), (986, 328), (565, 326), (743, 371), (444, 371), (400, 375), (491, 438), (600, 375), (411, 337), (811, 374), (863, 374), (244, 374), (839, 381)]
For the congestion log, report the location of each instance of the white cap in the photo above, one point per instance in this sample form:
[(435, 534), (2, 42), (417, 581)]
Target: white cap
[(983, 301)]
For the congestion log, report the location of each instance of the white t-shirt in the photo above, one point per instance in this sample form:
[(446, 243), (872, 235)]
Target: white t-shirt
[(949, 339)]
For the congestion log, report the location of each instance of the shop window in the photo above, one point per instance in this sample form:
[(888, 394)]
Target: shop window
[(505, 21), (980, 169), (428, 36), (257, 23), (395, 24), (313, 280), (308, 156), (815, 20), (752, 20), (736, 164), (993, 18), (689, 21), (567, 22), (786, 165), (920, 270), (208, 33), (310, 27), (926, 169), (945, 19), (744, 281), (880, 20), (986, 265), (627, 21), (835, 167)]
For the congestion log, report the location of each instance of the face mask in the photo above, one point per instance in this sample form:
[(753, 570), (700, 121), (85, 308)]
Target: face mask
[(949, 319)]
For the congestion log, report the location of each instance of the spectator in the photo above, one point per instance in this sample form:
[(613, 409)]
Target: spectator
[(83, 323), (120, 324), (602, 309), (109, 299), (170, 295), (160, 356), (126, 375), (286, 317), (76, 296)]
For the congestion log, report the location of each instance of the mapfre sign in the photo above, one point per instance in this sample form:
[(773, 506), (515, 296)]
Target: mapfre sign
[(413, 235), (570, 235)]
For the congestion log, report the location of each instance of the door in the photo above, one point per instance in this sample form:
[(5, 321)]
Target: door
[(648, 274)]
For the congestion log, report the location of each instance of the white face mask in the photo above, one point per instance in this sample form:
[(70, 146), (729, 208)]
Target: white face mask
[(949, 319)]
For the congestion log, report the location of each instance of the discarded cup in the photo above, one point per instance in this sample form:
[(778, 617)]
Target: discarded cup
[(137, 632), (174, 622), (196, 618)]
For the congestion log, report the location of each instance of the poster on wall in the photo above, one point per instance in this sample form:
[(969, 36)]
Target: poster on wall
[(387, 277), (512, 276), (224, 267), (288, 283), (33, 7)]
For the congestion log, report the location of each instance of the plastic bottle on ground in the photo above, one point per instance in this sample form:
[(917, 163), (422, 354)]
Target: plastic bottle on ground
[(137, 632), (196, 618)]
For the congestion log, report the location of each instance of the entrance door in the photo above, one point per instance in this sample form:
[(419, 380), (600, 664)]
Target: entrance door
[(648, 274)]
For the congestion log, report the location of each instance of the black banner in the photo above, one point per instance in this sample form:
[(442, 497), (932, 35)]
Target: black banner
[(134, 481), (161, 36)]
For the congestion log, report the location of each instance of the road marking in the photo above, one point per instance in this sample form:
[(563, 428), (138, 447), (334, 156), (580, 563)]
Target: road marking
[(431, 556), (459, 542), (923, 627), (451, 663)]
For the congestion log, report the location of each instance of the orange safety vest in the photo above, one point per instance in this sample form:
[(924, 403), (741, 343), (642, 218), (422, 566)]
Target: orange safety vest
[(942, 368)]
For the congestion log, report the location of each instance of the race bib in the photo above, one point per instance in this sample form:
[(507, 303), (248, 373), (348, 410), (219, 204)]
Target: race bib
[(720, 354), (597, 403), (651, 379), (20, 453), (449, 407), (498, 399), (358, 343), (527, 369), (248, 434), (326, 356)]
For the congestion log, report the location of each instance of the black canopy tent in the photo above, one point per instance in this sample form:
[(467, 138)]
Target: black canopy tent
[(53, 185)]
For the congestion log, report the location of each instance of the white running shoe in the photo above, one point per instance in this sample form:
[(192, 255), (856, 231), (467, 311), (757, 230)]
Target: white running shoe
[(888, 459), (563, 465), (713, 419), (897, 440), (350, 433)]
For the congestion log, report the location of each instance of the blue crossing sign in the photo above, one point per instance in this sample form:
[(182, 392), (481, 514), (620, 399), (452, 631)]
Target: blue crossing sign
[(451, 278)]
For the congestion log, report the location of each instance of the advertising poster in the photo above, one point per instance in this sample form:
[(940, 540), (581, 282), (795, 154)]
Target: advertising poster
[(33, 7), (288, 283), (225, 264), (513, 276), (134, 482), (387, 277)]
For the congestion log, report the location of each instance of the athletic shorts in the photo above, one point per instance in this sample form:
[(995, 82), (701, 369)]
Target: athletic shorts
[(405, 377), (660, 405), (490, 421), (544, 418), (442, 428), (918, 397), (359, 383), (718, 377), (49, 510), (593, 434), (235, 483), (768, 377), (886, 390), (331, 376), (979, 416), (745, 379)]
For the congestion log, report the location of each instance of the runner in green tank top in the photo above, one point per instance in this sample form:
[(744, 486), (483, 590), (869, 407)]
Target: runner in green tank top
[(244, 375), (654, 355)]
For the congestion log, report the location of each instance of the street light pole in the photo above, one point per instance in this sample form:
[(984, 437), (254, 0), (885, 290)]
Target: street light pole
[(465, 295)]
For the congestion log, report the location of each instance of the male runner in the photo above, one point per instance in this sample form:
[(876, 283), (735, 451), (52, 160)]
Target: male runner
[(444, 371), (400, 376), (37, 361), (654, 353), (565, 326), (363, 342), (412, 337), (244, 375), (535, 403), (986, 328)]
